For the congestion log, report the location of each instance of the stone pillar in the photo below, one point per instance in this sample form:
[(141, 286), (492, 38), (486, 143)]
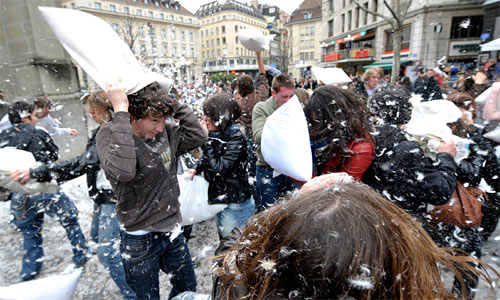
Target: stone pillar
[(33, 63)]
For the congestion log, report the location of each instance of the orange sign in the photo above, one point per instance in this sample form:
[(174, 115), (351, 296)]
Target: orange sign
[(332, 56), (361, 53)]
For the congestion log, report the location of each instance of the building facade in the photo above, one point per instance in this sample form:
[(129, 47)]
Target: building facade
[(354, 39), (162, 34), (221, 51), (304, 37)]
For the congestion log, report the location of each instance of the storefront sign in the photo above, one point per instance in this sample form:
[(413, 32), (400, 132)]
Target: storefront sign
[(361, 53), (332, 56), (464, 48)]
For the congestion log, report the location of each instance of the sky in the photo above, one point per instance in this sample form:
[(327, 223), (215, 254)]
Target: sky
[(287, 5)]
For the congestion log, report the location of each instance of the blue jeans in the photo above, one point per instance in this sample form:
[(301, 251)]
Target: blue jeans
[(234, 215), (27, 215), (144, 255), (269, 189), (105, 231)]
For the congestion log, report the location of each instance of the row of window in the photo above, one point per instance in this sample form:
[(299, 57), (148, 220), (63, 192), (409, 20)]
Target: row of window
[(233, 17), (139, 12), (213, 42), (163, 32), (307, 55), (143, 50), (238, 61), (354, 18), (219, 52), (218, 30)]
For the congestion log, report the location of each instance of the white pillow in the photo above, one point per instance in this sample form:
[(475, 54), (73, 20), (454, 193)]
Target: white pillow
[(96, 47), (285, 142), (254, 40), (60, 287), (330, 75)]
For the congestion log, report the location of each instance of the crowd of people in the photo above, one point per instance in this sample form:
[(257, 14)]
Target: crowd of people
[(361, 228)]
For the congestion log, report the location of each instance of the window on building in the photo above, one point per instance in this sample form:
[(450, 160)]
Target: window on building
[(115, 27), (183, 49), (128, 28), (175, 51), (157, 3), (331, 7), (358, 17), (164, 50), (365, 14), (112, 7), (306, 56), (211, 32), (183, 37), (150, 14), (405, 38), (307, 16), (223, 29), (218, 52), (223, 40), (466, 27), (206, 33), (191, 37), (190, 21), (181, 19), (141, 31), (172, 34), (330, 28), (171, 17), (213, 42), (349, 20), (192, 52), (203, 54), (139, 12), (146, 1), (163, 33), (237, 51), (236, 28), (311, 55), (213, 53), (143, 48), (126, 10), (217, 30), (236, 40), (97, 5), (218, 42), (162, 16), (301, 55), (342, 20)]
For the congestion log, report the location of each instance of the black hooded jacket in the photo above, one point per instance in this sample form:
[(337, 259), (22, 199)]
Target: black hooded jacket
[(32, 139), (86, 163), (401, 172), (225, 166)]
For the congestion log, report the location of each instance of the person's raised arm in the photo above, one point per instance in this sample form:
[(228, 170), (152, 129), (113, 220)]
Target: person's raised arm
[(490, 112), (260, 63), (115, 140)]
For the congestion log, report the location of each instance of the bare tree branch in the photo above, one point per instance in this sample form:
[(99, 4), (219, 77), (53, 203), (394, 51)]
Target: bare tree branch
[(394, 15), (374, 13), (405, 10)]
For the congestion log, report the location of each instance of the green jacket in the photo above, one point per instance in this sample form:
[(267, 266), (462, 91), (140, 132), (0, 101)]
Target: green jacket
[(261, 111)]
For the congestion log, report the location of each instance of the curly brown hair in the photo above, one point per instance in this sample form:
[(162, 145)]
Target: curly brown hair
[(337, 115), (151, 101), (335, 243)]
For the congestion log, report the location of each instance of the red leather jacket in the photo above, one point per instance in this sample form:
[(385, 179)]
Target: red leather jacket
[(357, 164)]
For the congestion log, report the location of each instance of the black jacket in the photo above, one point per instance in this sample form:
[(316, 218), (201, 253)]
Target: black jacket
[(86, 163), (225, 166), (30, 138), (401, 172), (428, 87)]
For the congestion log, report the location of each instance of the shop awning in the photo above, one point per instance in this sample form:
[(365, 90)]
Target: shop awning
[(387, 65)]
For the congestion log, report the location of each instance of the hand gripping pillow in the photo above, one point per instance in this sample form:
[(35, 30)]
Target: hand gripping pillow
[(285, 142)]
